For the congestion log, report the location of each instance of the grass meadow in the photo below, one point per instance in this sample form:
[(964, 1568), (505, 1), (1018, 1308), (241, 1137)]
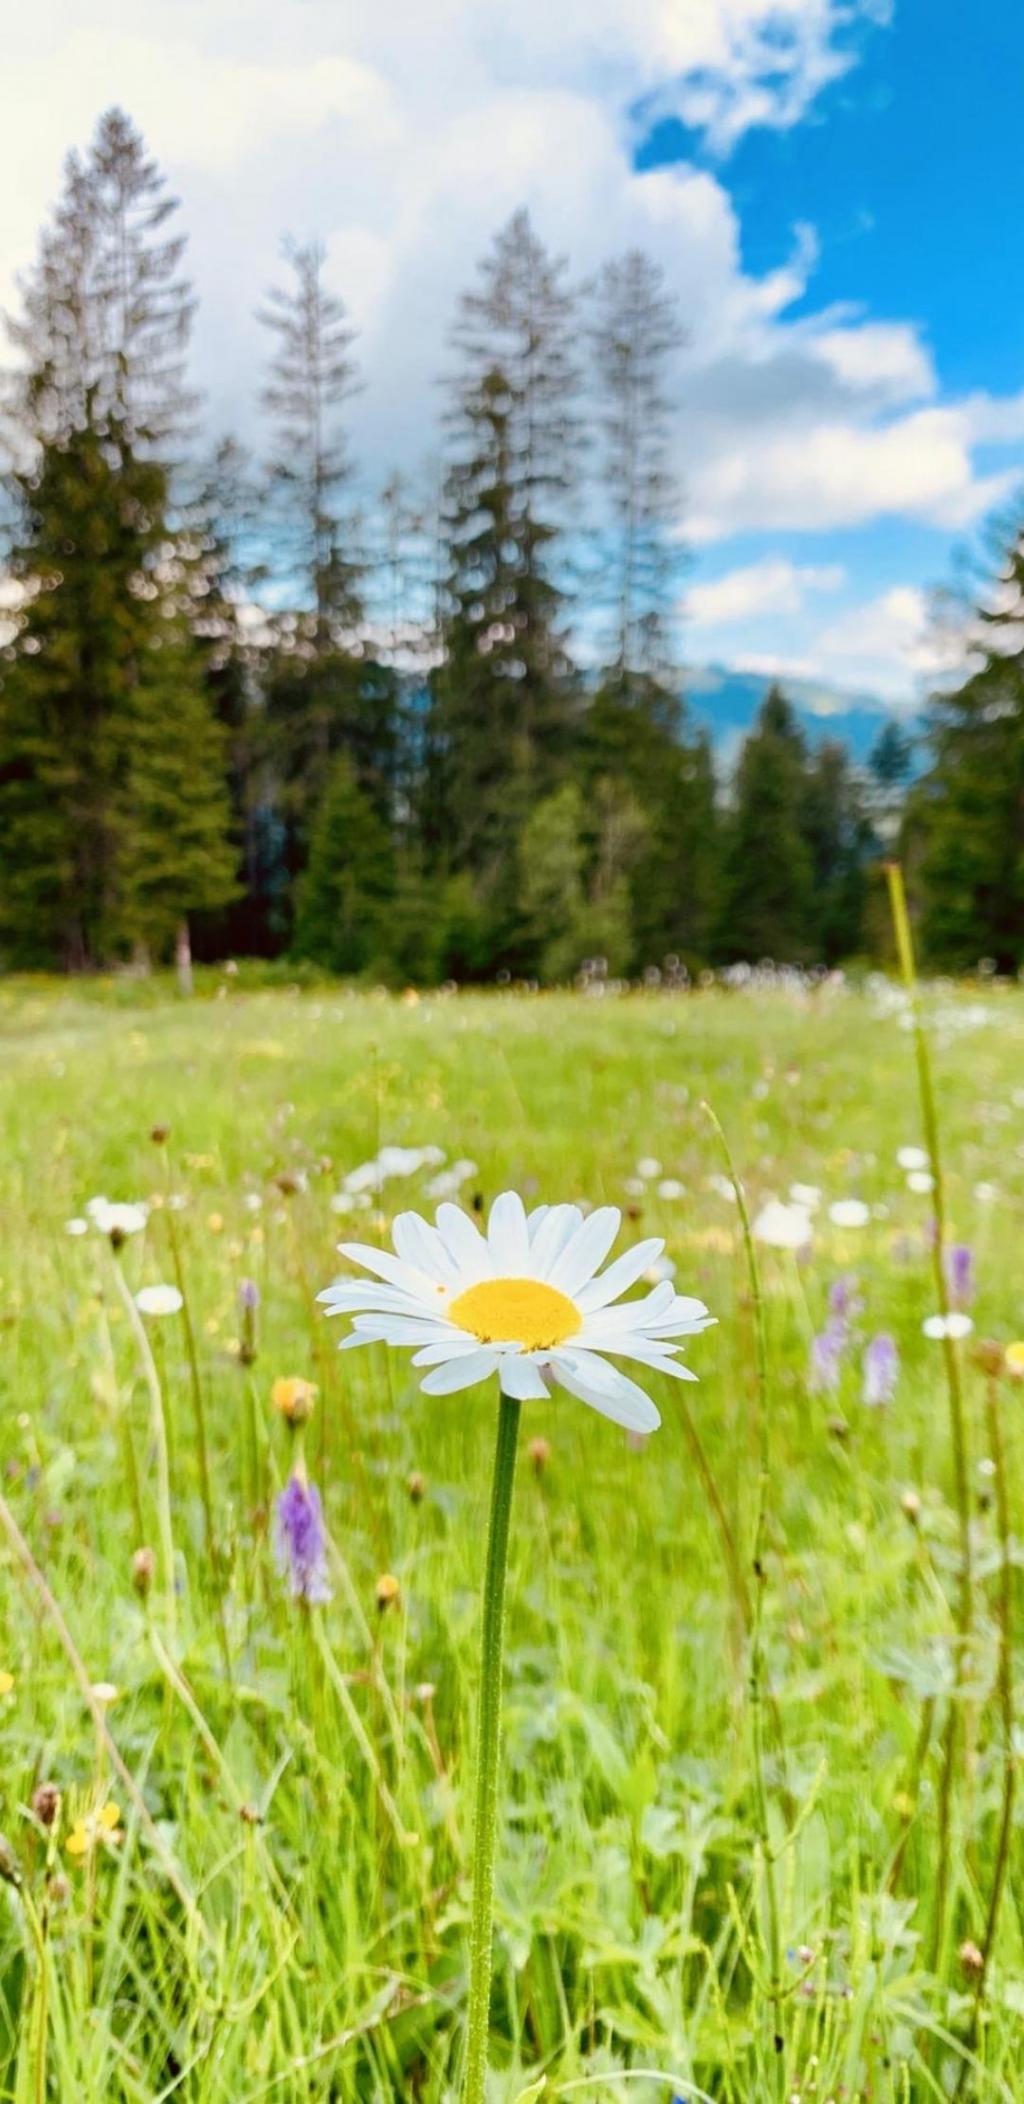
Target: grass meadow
[(762, 1887)]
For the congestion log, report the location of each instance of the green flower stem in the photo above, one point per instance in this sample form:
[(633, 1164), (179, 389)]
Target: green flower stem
[(160, 1446), (488, 1748)]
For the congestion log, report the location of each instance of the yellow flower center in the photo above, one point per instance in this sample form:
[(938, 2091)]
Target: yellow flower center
[(521, 1311)]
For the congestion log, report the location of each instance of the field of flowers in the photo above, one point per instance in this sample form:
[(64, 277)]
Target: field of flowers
[(756, 1832)]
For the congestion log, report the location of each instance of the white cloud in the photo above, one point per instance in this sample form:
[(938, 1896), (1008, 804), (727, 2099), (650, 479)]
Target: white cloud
[(891, 646), (403, 133), (774, 585), (830, 473)]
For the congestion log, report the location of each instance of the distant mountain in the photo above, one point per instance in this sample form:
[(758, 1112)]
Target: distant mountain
[(727, 702)]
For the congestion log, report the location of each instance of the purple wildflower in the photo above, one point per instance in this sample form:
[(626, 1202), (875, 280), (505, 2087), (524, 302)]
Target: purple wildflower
[(248, 1296), (881, 1367), (300, 1542), (827, 1350), (960, 1274), (844, 1300)]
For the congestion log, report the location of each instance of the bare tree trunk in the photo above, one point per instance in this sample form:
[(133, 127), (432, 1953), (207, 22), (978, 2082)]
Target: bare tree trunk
[(183, 958)]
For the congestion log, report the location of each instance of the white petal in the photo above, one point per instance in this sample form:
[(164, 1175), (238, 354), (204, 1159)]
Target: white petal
[(552, 1235), (465, 1244), (610, 1392), (520, 1377), (619, 1276), (404, 1329), (393, 1269), (535, 1219), (460, 1373), (639, 1314), (421, 1246), (656, 1356), (671, 1326), (507, 1236), (453, 1347), (589, 1246), (364, 1296)]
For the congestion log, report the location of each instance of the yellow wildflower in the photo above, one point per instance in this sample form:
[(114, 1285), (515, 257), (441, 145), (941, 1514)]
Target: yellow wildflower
[(294, 1397), (94, 1827)]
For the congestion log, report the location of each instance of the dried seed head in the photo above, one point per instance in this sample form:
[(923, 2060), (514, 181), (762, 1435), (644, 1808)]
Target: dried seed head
[(10, 1870), (539, 1453), (989, 1356), (143, 1571), (387, 1592), (46, 1803), (910, 1505), (971, 1961), (416, 1486), (160, 1134)]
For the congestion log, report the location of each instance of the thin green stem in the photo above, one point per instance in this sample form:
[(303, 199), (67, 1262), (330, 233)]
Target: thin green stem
[(1004, 1614), (163, 1465), (202, 1443), (757, 1674), (954, 1388), (481, 1927)]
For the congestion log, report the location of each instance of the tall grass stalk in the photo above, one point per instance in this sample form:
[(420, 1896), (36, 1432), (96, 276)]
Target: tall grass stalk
[(162, 1457), (199, 1419), (964, 1617), (757, 1672)]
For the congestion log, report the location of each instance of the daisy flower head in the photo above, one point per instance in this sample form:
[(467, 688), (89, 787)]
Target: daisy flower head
[(526, 1300)]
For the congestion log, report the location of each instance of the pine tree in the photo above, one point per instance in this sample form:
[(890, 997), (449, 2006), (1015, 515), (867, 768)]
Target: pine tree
[(635, 333), (842, 843), (87, 688), (312, 374), (768, 897), (966, 816), (345, 893), (638, 744), (506, 708), (326, 692)]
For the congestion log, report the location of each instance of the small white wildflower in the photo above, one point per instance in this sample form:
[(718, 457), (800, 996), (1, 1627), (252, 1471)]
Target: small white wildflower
[(783, 1226), (956, 1324), (920, 1181), (158, 1300), (849, 1212), (119, 1220), (912, 1158)]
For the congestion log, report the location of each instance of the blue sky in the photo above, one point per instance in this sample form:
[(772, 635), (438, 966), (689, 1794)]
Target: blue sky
[(827, 184), (904, 166)]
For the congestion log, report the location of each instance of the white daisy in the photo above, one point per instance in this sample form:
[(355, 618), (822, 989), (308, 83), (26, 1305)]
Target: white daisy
[(526, 1301), (849, 1212), (783, 1226), (158, 1300), (118, 1219)]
